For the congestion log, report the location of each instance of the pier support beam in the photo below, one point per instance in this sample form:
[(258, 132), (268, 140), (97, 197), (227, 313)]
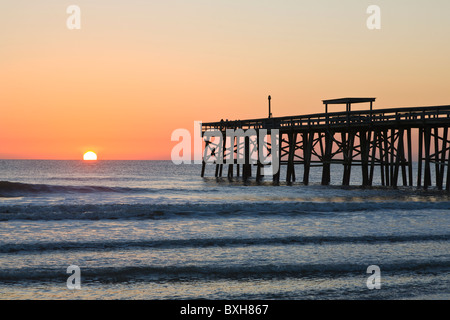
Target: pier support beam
[(410, 159), (308, 140), (247, 167), (447, 187), (327, 156), (364, 145), (420, 158), (440, 182), (374, 142), (348, 155), (427, 137), (290, 173)]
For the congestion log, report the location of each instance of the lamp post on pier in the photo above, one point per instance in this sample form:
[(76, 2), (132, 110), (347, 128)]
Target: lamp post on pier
[(270, 113)]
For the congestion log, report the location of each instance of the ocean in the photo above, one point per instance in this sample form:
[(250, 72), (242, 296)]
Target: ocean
[(155, 230)]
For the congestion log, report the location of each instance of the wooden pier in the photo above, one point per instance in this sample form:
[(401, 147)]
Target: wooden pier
[(371, 139)]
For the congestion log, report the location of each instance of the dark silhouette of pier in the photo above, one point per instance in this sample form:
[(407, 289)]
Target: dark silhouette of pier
[(370, 139)]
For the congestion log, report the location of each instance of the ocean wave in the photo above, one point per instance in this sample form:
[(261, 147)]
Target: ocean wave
[(15, 189), (214, 242), (143, 211), (18, 189), (214, 272)]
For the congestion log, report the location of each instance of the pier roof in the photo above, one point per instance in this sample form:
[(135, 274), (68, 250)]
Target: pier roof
[(348, 100)]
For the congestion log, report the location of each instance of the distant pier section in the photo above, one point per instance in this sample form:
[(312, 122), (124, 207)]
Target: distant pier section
[(370, 140)]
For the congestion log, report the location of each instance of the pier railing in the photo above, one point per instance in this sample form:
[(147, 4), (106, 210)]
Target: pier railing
[(407, 116)]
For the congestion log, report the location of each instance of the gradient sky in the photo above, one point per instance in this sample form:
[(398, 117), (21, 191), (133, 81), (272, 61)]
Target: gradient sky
[(137, 70)]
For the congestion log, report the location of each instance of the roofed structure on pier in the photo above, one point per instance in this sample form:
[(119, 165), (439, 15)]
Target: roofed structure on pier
[(348, 102)]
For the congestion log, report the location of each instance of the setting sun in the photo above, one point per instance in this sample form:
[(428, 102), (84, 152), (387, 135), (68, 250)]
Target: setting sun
[(90, 156)]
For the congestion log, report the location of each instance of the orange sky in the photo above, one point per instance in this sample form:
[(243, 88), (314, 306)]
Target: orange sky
[(137, 70)]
